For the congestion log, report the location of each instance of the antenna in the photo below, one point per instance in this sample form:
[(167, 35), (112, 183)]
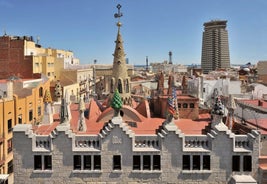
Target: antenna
[(38, 39), (5, 32)]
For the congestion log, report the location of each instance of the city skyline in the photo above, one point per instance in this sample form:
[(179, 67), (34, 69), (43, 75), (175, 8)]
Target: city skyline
[(150, 28)]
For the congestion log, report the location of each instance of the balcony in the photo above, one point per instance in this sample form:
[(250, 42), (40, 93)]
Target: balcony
[(146, 143), (42, 144), (197, 143), (86, 143)]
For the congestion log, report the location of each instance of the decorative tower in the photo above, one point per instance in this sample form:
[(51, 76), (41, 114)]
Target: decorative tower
[(231, 106), (64, 109), (58, 91), (217, 114), (81, 123), (116, 103), (48, 115), (184, 85), (120, 79), (160, 86), (172, 99)]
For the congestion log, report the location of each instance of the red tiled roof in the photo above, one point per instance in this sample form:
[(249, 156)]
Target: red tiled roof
[(256, 102), (46, 129), (263, 162), (144, 125)]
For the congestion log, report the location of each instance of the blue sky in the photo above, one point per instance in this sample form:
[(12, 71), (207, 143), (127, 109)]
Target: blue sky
[(150, 27)]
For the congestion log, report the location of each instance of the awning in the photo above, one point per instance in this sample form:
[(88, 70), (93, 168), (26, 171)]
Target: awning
[(3, 177)]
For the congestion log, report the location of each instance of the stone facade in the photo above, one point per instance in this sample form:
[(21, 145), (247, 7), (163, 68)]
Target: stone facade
[(168, 156)]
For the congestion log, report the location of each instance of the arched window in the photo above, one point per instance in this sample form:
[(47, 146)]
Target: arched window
[(185, 105), (40, 92), (112, 85), (192, 105), (127, 86), (119, 86)]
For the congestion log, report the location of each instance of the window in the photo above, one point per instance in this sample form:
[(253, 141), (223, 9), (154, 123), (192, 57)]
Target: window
[(196, 162), (136, 162), (247, 163), (186, 162), (39, 110), (20, 119), (156, 162), (116, 162), (206, 162), (97, 162), (146, 162), (119, 86), (149, 162), (185, 105), (37, 162), (41, 92), (127, 86), (42, 162), (236, 163), (87, 162), (9, 145), (10, 167), (48, 162), (9, 125), (192, 105), (179, 105), (77, 162), (30, 115)]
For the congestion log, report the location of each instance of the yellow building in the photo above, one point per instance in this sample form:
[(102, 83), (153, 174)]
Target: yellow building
[(23, 57), (21, 102)]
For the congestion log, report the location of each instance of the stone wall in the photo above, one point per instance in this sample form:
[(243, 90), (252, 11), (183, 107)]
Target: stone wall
[(116, 138)]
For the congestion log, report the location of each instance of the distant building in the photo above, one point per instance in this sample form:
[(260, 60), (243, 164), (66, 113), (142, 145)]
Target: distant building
[(21, 102), (20, 56), (215, 47), (262, 72)]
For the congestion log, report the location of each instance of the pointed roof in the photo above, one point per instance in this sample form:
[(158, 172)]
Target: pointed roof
[(231, 102), (81, 105), (47, 97), (119, 62)]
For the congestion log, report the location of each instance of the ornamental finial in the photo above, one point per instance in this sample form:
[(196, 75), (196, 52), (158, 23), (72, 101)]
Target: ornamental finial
[(118, 15)]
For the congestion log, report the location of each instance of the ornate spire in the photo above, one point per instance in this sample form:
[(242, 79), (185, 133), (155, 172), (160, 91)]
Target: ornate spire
[(48, 114), (64, 114), (231, 106), (218, 107), (58, 91), (120, 79), (81, 123), (47, 97)]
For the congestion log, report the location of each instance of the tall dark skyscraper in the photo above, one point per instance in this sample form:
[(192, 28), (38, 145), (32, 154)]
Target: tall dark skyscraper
[(215, 47)]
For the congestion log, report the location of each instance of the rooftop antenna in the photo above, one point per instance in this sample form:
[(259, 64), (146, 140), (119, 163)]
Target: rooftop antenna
[(146, 63), (5, 32), (38, 39), (170, 57)]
